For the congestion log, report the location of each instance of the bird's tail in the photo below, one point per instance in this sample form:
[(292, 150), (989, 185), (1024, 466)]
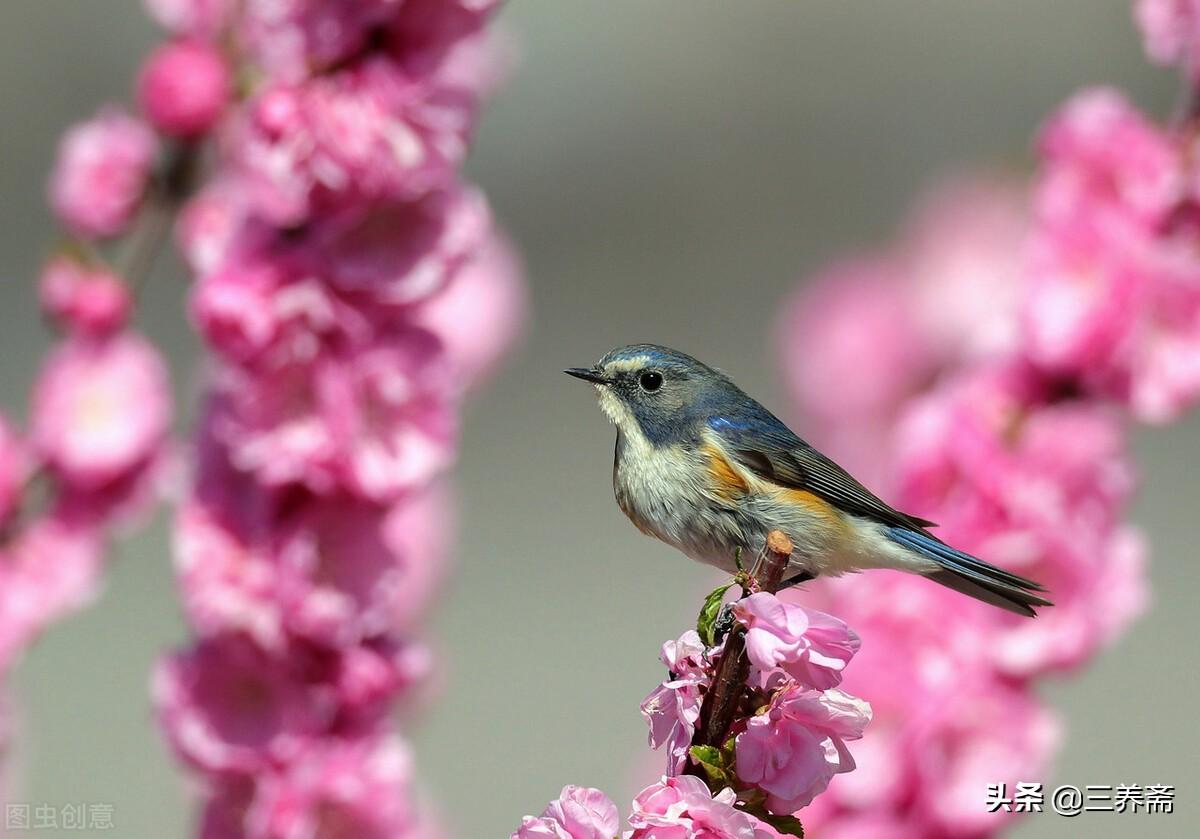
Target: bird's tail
[(974, 577)]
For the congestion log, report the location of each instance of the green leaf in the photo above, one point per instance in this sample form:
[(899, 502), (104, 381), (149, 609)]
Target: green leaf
[(712, 762), (787, 825), (709, 613)]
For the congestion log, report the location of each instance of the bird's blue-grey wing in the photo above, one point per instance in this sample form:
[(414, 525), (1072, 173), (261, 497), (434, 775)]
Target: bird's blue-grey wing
[(770, 450)]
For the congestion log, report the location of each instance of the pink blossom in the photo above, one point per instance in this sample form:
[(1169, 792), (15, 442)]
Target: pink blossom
[(255, 312), (184, 87), (685, 656), (398, 253), (1084, 289), (683, 808), (962, 260), (577, 813), (227, 576), (228, 706), (49, 569), (210, 224), (377, 421), (793, 749), (479, 314), (14, 469), (92, 301), (223, 815), (101, 173), (1101, 157), (1171, 30), (294, 38), (1035, 488), (196, 18), (672, 709), (352, 789), (988, 733), (809, 646), (101, 408), (350, 573), (368, 678), (366, 133), (851, 346)]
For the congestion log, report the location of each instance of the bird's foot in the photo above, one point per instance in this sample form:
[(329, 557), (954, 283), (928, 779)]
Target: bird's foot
[(795, 580), (723, 624)]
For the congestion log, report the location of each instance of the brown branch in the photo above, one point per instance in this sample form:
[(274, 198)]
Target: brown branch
[(720, 704), (163, 197)]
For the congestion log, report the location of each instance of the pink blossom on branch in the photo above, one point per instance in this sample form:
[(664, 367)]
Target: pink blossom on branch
[(810, 646), (577, 813), (794, 748), (101, 173), (684, 808), (101, 409), (1171, 30), (184, 88), (92, 301), (336, 254)]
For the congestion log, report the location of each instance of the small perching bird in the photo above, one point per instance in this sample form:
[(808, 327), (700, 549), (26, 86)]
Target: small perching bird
[(705, 468)]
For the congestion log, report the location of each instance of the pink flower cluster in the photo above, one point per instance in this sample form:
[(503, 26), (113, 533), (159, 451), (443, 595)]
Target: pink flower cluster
[(997, 355), (777, 758), (94, 454), (350, 289), (682, 807)]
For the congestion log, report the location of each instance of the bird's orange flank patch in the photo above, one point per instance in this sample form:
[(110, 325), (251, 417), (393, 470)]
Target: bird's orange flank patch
[(725, 479)]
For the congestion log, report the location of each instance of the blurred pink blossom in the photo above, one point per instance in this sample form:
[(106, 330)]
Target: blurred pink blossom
[(350, 574), (1100, 157), (398, 253), (226, 705), (199, 18), (14, 469), (577, 813), (380, 420), (811, 647), (369, 132), (1171, 30), (989, 733), (480, 313), (227, 578), (101, 173), (1035, 488), (184, 87), (359, 788), (49, 569), (101, 408), (793, 749), (92, 301)]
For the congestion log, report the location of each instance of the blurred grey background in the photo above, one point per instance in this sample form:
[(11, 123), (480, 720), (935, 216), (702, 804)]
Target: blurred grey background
[(669, 169)]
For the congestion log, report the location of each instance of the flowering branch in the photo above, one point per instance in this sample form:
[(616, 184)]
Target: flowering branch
[(729, 681), (754, 726)]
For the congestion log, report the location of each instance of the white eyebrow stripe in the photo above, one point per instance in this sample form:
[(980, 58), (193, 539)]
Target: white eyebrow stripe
[(624, 365)]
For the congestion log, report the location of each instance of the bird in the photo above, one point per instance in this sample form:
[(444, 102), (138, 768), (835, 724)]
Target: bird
[(705, 468)]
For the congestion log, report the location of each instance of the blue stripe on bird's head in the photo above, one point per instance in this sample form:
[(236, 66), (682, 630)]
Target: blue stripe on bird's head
[(664, 394)]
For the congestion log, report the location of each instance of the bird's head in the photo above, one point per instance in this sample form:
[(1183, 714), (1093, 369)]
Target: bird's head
[(657, 392)]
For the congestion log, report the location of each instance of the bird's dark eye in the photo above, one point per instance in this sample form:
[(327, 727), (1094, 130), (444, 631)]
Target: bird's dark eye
[(651, 381)]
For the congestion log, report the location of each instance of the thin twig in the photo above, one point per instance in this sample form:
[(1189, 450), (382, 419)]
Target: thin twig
[(165, 194), (720, 704)]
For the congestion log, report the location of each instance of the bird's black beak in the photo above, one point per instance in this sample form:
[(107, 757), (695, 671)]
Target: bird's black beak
[(588, 374)]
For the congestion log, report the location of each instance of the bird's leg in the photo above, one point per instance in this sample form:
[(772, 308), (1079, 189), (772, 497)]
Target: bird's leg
[(723, 623), (795, 580)]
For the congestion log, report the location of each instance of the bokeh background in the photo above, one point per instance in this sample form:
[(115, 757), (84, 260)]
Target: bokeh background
[(669, 169)]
